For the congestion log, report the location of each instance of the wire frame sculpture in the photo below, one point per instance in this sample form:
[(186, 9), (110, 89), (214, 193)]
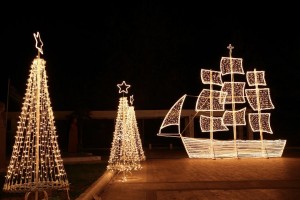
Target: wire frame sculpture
[(36, 165)]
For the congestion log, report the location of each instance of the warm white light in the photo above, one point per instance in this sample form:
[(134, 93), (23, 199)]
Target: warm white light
[(256, 78), (123, 87), (215, 125), (173, 116), (201, 148), (36, 163), (131, 100), (260, 122), (231, 92), (237, 96), (230, 65), (263, 97), (133, 127), (237, 65), (211, 100), (38, 42), (126, 150), (236, 117), (211, 77), (259, 100)]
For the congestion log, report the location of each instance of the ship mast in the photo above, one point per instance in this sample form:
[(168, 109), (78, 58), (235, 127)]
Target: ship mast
[(263, 148), (211, 100), (230, 47), (211, 125)]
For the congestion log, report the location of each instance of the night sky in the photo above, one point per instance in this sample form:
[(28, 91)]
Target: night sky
[(157, 48)]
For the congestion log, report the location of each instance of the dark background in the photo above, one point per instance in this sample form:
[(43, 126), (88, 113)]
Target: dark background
[(158, 48)]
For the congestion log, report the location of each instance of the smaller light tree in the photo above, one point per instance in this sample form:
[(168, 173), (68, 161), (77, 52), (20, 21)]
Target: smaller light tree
[(135, 130), (124, 155)]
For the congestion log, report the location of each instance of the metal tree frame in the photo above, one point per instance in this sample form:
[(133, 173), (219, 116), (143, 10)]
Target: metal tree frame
[(36, 164)]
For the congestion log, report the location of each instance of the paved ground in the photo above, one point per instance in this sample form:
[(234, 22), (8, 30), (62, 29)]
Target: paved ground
[(170, 175)]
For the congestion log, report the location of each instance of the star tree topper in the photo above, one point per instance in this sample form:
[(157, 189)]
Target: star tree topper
[(38, 42), (131, 99), (123, 87)]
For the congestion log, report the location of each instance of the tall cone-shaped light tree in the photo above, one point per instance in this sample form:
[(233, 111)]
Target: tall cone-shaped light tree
[(123, 155), (36, 165)]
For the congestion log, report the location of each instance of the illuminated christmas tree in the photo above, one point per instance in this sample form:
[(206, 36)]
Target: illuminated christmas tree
[(36, 164), (124, 155), (135, 130)]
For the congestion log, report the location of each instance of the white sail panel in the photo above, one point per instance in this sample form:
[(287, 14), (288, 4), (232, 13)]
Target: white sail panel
[(239, 117), (206, 96), (265, 102), (173, 116), (230, 65), (238, 93), (256, 78), (263, 125), (217, 124), (211, 77)]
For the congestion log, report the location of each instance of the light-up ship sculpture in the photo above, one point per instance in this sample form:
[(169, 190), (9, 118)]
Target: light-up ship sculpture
[(215, 117), (36, 164)]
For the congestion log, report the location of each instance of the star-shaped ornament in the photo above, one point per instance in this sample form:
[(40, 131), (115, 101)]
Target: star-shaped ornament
[(38, 42), (131, 99), (123, 87)]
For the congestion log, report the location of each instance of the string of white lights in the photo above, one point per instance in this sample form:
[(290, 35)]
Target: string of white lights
[(213, 100), (36, 163), (135, 130), (126, 151)]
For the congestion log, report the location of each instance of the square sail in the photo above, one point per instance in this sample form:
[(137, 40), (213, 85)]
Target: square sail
[(235, 96), (261, 95), (208, 124), (210, 100), (233, 118), (256, 78), (231, 65), (211, 77), (260, 122)]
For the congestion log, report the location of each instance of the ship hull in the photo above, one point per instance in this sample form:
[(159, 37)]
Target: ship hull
[(204, 148)]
